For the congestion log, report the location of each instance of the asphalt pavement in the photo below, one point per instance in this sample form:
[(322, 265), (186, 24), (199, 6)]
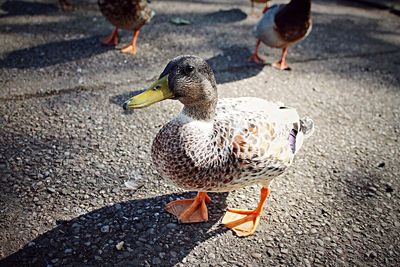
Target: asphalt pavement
[(67, 147)]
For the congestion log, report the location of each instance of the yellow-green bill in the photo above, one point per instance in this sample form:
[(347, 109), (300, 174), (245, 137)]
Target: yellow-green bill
[(157, 92)]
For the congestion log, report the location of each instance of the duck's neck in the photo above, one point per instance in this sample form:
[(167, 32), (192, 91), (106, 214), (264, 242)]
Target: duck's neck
[(204, 111)]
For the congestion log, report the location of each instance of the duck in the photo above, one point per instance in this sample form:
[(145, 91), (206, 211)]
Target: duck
[(219, 145), (282, 26), (129, 15)]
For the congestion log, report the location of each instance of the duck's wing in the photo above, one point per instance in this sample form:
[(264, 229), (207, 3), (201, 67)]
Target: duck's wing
[(260, 131)]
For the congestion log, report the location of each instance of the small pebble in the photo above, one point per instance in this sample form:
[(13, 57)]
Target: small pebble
[(371, 254), (120, 245), (256, 255), (270, 252), (156, 261), (171, 225), (105, 229)]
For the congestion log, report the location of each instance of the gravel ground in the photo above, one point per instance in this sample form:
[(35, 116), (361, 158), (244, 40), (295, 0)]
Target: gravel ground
[(67, 147)]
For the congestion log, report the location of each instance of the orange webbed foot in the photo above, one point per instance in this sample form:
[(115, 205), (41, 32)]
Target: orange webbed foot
[(281, 65), (190, 210), (255, 58), (242, 222), (245, 222), (129, 49), (254, 14), (112, 39)]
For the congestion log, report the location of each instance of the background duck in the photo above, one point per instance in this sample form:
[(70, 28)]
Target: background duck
[(219, 145), (256, 1), (129, 15), (282, 26)]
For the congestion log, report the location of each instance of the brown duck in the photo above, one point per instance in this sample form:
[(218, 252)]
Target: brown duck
[(282, 26), (219, 145), (129, 15)]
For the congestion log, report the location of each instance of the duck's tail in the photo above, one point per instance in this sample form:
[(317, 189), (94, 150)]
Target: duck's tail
[(307, 126), (300, 131), (301, 128)]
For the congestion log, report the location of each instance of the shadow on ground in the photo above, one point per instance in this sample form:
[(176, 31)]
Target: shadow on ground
[(24, 8), (120, 99), (231, 65), (150, 236), (225, 16), (54, 53)]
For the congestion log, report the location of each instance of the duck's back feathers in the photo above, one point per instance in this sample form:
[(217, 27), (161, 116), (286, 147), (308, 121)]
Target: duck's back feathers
[(126, 14), (261, 129), (293, 23)]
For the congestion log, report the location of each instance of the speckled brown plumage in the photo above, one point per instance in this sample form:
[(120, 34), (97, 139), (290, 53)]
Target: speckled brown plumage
[(126, 14), (246, 143)]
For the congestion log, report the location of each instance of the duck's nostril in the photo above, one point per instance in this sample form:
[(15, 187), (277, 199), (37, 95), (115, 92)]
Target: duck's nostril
[(125, 105)]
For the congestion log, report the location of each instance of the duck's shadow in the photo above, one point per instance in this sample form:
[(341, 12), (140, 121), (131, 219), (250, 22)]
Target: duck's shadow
[(120, 99), (226, 16), (233, 65), (23, 8), (53, 53), (149, 236)]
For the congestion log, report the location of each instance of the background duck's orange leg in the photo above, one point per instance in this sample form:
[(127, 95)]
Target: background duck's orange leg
[(244, 222), (112, 39), (254, 57), (252, 13), (131, 48), (281, 64), (190, 210)]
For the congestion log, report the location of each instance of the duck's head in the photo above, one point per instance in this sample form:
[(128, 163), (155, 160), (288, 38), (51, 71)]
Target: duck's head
[(188, 79)]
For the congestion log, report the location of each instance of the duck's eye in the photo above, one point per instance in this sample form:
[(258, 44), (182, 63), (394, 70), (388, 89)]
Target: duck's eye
[(188, 69)]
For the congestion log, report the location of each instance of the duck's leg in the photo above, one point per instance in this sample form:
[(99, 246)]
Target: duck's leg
[(254, 57), (131, 48), (244, 222), (66, 5), (112, 39), (252, 13), (281, 64), (190, 210)]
